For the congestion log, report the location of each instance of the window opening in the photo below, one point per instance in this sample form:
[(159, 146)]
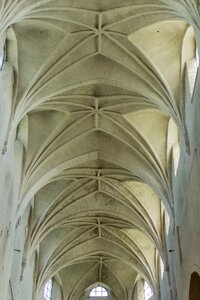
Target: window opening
[(194, 292), (197, 57), (176, 156), (192, 72), (1, 60), (99, 291), (48, 289), (147, 291)]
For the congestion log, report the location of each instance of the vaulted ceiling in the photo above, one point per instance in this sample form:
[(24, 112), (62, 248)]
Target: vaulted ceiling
[(98, 102)]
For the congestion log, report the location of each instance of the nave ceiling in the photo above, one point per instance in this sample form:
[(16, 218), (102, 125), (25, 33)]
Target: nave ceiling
[(98, 103)]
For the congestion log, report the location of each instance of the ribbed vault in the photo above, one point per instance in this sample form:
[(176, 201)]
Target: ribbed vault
[(96, 88)]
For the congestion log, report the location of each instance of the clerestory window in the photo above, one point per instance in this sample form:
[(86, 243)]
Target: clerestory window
[(147, 291), (197, 58), (48, 290), (1, 60), (99, 291)]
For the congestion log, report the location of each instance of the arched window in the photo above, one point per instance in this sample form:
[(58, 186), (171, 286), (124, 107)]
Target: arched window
[(48, 290), (197, 57), (147, 291), (190, 59), (1, 59), (99, 291), (173, 146), (176, 156)]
